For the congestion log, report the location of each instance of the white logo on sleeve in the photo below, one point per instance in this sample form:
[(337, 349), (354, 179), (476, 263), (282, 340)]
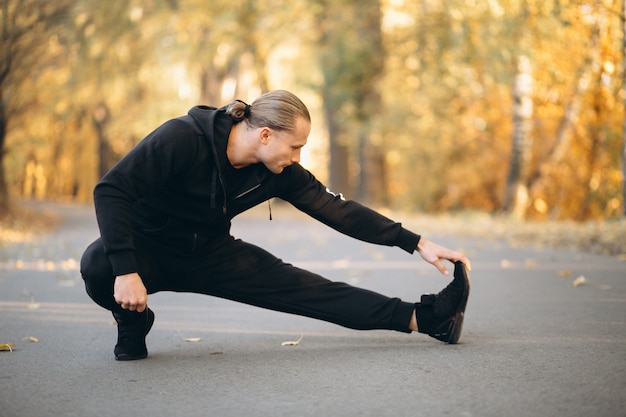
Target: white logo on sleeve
[(335, 195)]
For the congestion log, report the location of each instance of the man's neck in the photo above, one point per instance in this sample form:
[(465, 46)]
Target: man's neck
[(240, 149)]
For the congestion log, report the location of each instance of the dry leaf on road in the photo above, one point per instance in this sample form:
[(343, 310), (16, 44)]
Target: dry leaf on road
[(192, 339), (7, 347), (292, 342)]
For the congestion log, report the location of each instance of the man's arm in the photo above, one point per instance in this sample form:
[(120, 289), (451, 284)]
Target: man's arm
[(300, 188), (309, 195), (162, 155)]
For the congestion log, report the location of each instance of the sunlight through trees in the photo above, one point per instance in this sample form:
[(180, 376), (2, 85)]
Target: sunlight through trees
[(499, 105)]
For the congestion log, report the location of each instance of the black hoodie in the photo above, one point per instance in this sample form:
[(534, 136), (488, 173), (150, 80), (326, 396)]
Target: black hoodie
[(177, 188)]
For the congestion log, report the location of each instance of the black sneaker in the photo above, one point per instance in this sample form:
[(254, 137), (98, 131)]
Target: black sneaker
[(132, 330), (441, 315)]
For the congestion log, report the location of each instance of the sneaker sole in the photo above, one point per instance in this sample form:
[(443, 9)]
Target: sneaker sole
[(456, 324)]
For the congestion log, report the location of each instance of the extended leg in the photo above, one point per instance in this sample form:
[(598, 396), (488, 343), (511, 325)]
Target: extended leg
[(243, 272)]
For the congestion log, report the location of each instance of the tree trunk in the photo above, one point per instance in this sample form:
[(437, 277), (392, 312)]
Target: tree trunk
[(209, 86), (371, 187), (516, 197), (624, 109), (338, 164), (5, 69), (4, 191), (99, 119)]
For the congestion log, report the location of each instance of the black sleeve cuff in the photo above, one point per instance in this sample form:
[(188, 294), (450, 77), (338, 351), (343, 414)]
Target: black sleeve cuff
[(407, 240), (123, 262)]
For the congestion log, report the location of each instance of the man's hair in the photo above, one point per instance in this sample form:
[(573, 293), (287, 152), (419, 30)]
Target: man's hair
[(278, 110)]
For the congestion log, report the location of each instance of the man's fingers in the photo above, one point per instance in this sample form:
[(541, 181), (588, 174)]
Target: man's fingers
[(139, 307), (466, 262), (441, 267)]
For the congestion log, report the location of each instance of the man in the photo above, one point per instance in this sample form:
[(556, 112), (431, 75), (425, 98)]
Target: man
[(164, 214)]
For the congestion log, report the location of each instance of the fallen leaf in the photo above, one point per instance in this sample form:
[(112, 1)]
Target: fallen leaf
[(7, 347), (565, 273), (33, 305), (505, 264), (192, 339), (530, 264), (581, 280), (292, 342), (31, 339)]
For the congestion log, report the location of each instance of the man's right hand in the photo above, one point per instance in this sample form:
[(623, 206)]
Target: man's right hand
[(130, 293)]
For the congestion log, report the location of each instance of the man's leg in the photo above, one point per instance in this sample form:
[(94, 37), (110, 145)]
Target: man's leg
[(243, 272)]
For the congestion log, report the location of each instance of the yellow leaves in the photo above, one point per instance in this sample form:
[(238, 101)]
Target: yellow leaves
[(192, 339), (189, 339), (32, 339), (9, 347), (528, 264), (292, 342), (580, 280)]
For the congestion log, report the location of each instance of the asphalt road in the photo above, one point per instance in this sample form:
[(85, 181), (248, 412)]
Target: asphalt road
[(533, 343)]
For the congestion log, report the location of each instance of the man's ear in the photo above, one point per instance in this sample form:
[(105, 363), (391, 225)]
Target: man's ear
[(264, 135)]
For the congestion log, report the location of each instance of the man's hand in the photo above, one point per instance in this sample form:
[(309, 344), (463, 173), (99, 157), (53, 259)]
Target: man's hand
[(130, 293), (434, 254)]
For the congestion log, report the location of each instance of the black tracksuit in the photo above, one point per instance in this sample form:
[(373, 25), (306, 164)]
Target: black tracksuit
[(165, 209)]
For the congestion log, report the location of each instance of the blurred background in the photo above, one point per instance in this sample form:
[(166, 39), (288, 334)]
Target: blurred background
[(496, 106)]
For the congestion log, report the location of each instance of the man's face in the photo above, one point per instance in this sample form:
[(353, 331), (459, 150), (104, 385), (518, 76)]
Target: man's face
[(281, 148)]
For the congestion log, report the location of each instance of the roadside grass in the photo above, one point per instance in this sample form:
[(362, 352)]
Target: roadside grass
[(23, 224), (606, 237)]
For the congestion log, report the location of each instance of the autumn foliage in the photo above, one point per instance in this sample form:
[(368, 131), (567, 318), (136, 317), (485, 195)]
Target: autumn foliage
[(499, 105)]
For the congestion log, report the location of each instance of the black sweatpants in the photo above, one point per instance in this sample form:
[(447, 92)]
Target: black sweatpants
[(232, 269)]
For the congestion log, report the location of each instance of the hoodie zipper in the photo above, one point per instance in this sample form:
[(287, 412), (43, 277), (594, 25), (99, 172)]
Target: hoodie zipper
[(247, 192)]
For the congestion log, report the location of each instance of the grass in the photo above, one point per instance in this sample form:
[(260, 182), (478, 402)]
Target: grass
[(22, 224), (606, 237)]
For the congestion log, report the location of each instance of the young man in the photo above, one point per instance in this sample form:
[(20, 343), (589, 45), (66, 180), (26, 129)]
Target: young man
[(164, 213)]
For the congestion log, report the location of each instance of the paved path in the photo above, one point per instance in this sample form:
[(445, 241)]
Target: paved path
[(533, 345)]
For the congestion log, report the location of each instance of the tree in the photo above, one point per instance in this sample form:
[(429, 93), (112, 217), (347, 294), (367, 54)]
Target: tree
[(351, 58), (623, 159), (516, 198), (26, 28)]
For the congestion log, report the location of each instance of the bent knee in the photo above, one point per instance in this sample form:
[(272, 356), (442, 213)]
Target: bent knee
[(94, 264)]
